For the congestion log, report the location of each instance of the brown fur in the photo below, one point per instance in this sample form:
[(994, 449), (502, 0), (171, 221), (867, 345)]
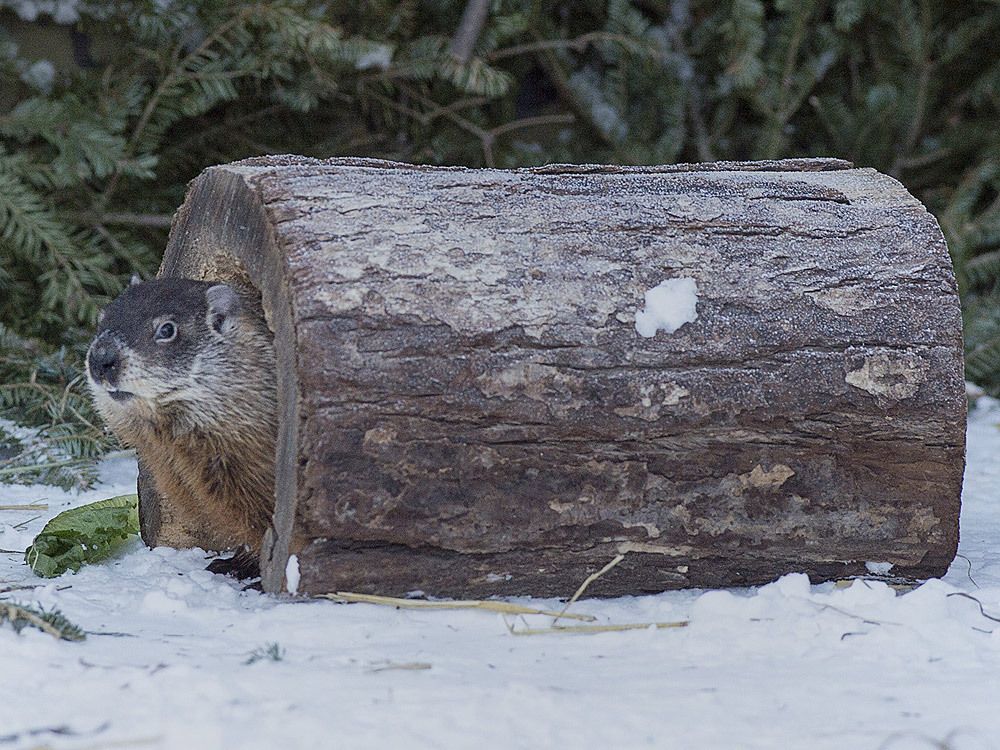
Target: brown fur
[(220, 481), (204, 424)]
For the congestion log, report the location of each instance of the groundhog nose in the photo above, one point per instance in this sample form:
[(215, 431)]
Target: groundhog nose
[(104, 362)]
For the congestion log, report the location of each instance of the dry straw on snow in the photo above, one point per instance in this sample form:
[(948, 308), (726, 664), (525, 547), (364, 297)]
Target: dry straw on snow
[(509, 608)]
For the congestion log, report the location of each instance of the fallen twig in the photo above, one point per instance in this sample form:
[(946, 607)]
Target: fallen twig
[(845, 613), (506, 608), (405, 665), (982, 611), (969, 572), (8, 589), (583, 586), (587, 629), (25, 522)]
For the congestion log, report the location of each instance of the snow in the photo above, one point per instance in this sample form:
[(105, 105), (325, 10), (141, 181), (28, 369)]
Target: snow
[(786, 665), (878, 568), (62, 11), (292, 574), (40, 75), (14, 539), (379, 56), (669, 305)]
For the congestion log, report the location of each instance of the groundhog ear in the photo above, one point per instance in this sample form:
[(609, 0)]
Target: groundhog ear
[(223, 308)]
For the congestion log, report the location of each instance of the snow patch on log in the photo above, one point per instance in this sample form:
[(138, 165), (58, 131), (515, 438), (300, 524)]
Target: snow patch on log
[(292, 574), (878, 568), (669, 305)]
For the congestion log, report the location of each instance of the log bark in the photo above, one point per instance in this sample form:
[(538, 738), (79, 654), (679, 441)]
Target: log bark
[(467, 408)]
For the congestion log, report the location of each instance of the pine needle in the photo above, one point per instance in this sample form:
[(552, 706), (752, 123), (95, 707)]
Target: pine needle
[(29, 506), (590, 629), (15, 470)]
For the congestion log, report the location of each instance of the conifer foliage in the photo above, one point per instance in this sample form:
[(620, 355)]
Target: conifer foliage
[(98, 142)]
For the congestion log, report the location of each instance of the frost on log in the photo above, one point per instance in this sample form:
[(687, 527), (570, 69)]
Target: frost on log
[(468, 409)]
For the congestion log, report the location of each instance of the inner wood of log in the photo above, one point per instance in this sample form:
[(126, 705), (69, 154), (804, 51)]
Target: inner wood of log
[(237, 244)]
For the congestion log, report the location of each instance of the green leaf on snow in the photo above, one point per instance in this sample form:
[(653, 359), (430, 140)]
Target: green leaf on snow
[(83, 535)]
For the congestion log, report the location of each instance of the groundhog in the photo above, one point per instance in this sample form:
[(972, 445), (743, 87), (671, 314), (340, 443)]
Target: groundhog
[(183, 371)]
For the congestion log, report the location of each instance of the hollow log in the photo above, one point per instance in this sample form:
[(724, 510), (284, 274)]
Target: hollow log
[(468, 409)]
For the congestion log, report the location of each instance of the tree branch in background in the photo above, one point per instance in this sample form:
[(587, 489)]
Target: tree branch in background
[(92, 168), (151, 221), (463, 43), (577, 44)]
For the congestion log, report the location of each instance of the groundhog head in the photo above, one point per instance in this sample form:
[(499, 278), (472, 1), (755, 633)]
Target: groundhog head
[(161, 342)]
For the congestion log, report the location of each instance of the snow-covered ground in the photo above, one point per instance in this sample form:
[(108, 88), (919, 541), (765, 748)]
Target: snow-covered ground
[(787, 665)]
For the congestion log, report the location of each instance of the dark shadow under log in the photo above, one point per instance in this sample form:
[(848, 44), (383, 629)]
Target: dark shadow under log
[(467, 408)]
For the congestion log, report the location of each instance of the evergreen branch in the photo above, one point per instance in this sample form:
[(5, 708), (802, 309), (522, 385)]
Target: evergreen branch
[(203, 135), (433, 111), (52, 621), (121, 218), (694, 100), (532, 122), (465, 124), (33, 468), (558, 76), (577, 44), (919, 48), (782, 110), (908, 88), (175, 72)]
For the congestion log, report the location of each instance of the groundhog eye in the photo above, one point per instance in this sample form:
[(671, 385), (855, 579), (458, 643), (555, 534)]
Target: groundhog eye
[(166, 332)]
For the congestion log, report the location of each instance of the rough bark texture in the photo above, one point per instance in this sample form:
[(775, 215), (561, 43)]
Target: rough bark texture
[(468, 410)]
